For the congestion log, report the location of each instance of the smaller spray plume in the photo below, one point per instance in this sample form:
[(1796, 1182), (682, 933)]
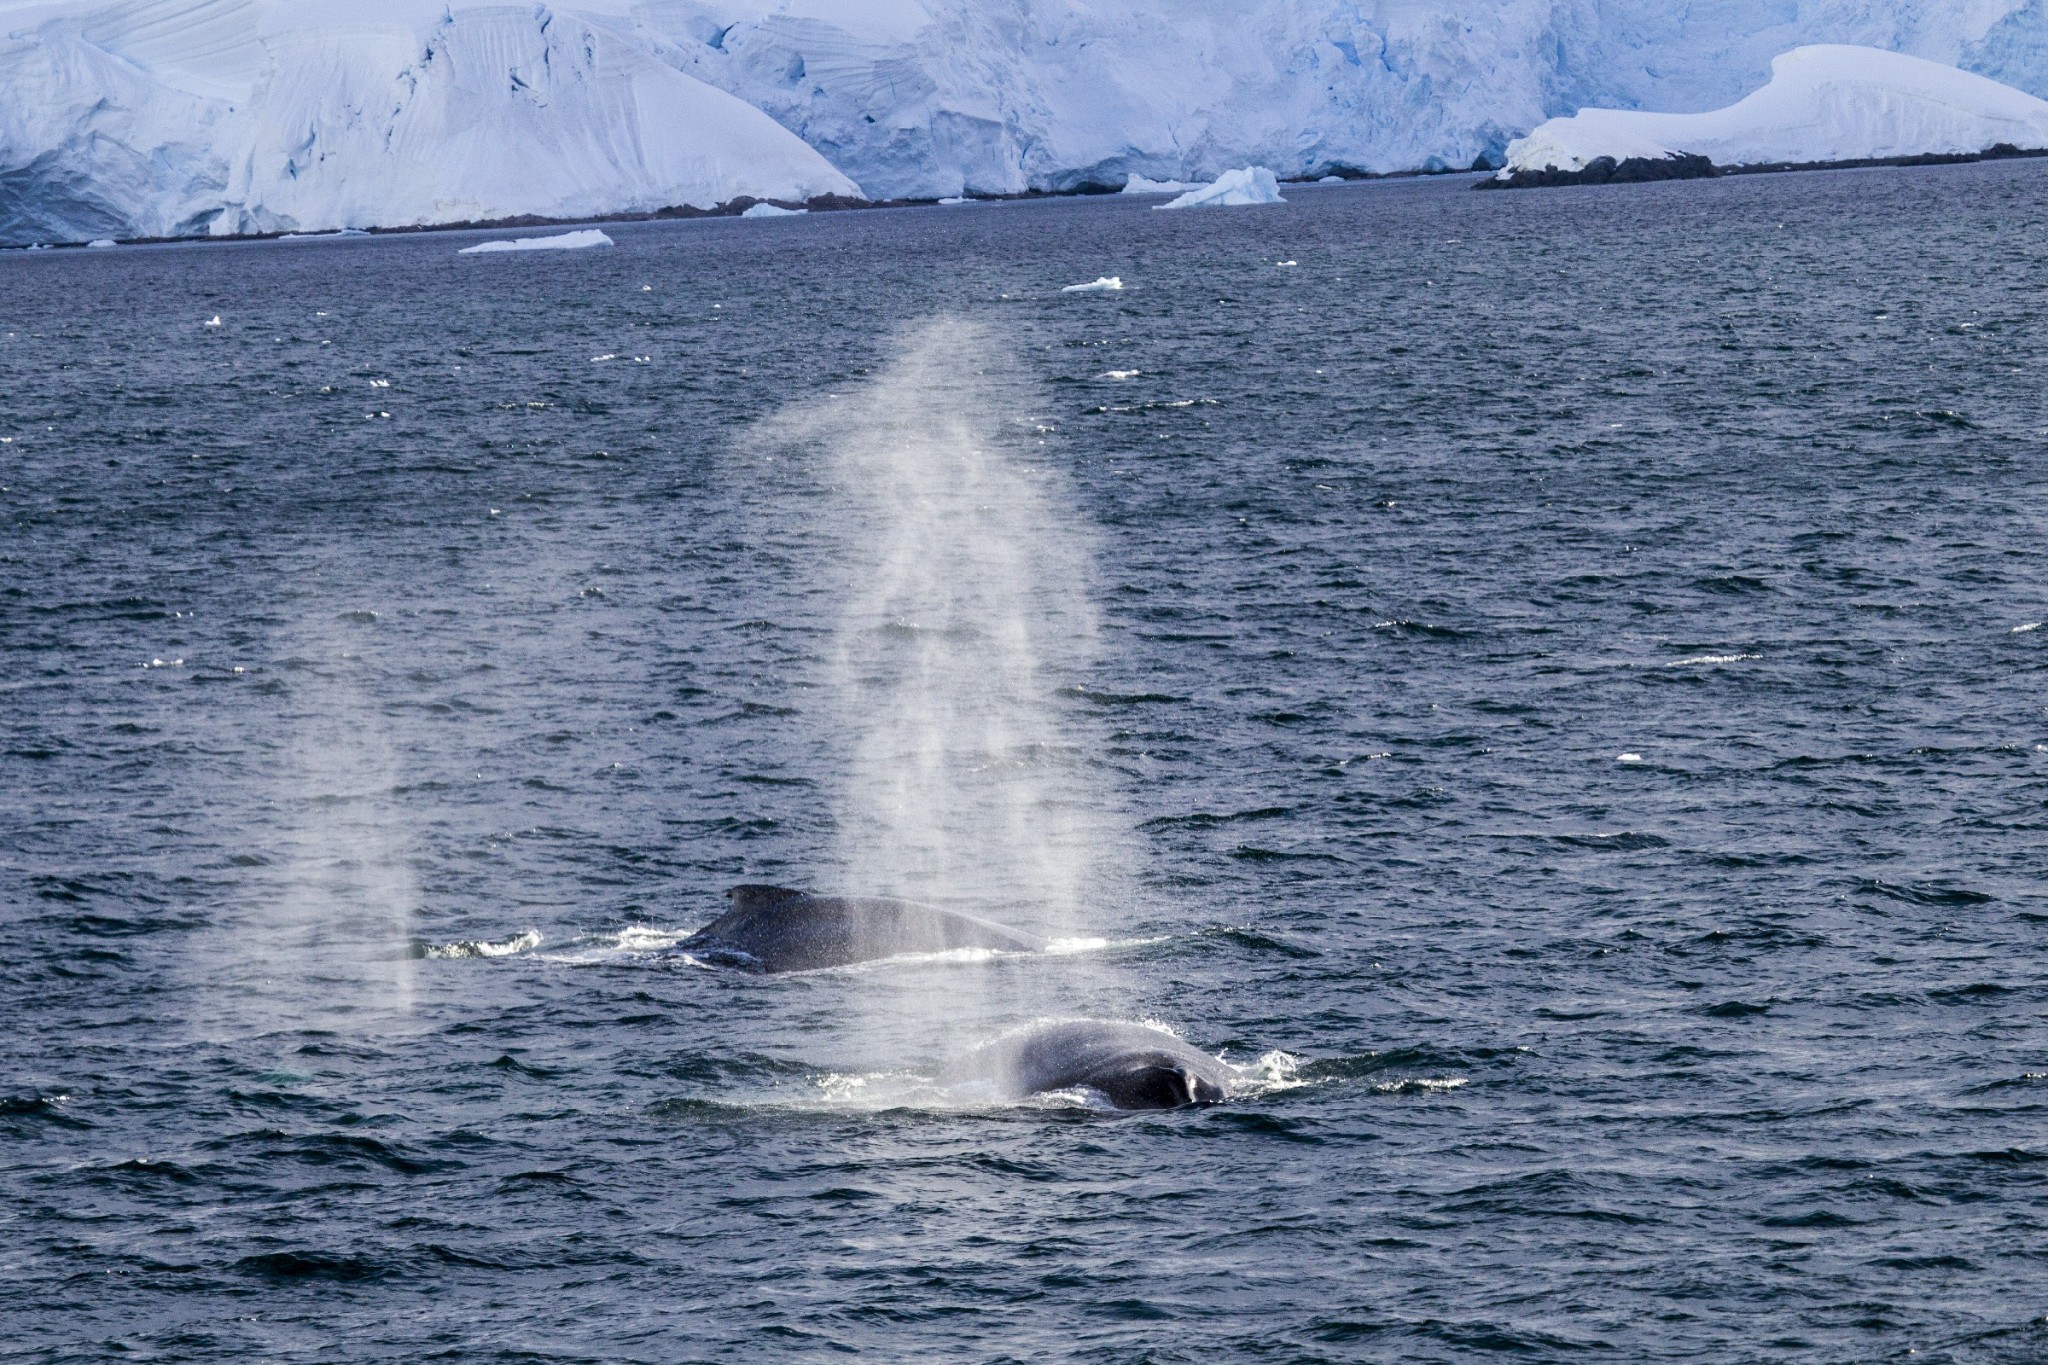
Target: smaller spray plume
[(325, 942)]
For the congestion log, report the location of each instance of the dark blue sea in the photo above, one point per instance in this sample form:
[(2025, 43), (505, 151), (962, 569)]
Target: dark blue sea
[(1551, 686)]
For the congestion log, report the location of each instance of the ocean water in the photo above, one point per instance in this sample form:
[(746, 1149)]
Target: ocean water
[(1551, 685)]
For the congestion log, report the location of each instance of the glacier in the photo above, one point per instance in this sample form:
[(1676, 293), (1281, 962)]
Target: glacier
[(938, 98), (161, 118), (1826, 102), (178, 118)]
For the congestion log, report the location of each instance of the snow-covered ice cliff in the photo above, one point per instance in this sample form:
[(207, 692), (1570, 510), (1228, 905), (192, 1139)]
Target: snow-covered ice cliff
[(212, 117), (1823, 103), (151, 117), (943, 97)]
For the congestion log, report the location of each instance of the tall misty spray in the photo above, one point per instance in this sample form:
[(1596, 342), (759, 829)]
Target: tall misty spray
[(961, 608), (322, 936)]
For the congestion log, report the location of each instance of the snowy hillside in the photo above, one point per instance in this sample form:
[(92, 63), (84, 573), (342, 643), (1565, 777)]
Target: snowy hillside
[(121, 118), (195, 117), (1823, 103)]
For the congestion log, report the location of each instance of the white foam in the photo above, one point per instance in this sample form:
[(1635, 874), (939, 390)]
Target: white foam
[(1103, 284), (567, 241), (1232, 189), (505, 947), (1064, 946)]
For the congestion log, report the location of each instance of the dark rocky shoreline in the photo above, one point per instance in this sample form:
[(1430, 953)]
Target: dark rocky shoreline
[(732, 208), (1606, 170)]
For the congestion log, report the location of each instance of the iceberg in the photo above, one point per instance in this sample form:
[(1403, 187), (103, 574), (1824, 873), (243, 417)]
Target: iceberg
[(1106, 284), (1232, 189), (770, 211), (567, 241), (101, 243), (1138, 184), (1824, 103)]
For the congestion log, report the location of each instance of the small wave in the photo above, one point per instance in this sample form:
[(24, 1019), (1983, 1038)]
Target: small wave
[(1626, 840), (1161, 403), (1421, 1085), (314, 1265), (1699, 660), (478, 947), (1407, 626)]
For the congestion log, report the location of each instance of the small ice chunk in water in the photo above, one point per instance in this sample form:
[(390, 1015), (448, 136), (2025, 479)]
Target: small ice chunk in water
[(213, 321), (567, 241), (1232, 189), (1102, 285), (99, 244), (1628, 758), (1331, 180), (766, 210), (1138, 184), (954, 199)]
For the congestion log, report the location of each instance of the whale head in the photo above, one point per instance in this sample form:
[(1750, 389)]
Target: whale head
[(1159, 1086)]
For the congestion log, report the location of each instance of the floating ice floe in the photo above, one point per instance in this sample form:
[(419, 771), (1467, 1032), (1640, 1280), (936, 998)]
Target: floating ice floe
[(100, 243), (1106, 284), (1138, 184), (1232, 189), (770, 211), (567, 241), (1825, 103), (213, 321)]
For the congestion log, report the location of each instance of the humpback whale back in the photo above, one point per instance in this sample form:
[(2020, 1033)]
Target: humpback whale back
[(777, 929), (1130, 1065)]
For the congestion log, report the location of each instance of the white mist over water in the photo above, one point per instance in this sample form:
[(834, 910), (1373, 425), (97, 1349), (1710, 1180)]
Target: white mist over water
[(961, 586), (325, 940)]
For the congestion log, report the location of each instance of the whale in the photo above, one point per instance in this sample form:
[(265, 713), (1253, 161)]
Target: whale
[(778, 929), (1132, 1066)]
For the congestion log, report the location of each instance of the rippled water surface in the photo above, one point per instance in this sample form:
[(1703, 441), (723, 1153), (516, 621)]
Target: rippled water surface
[(1551, 684)]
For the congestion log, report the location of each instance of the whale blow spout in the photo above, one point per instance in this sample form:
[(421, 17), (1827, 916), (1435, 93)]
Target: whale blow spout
[(776, 929), (1133, 1066)]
